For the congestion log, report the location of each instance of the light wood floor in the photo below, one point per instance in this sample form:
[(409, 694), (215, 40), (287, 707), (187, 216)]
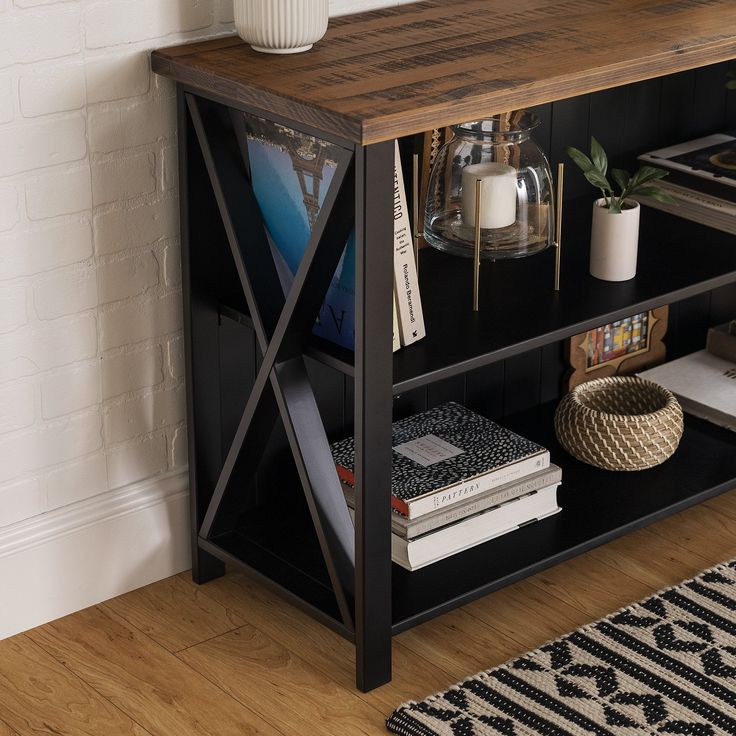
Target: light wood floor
[(232, 658)]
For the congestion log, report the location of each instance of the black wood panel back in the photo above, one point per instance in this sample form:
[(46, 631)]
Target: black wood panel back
[(626, 120)]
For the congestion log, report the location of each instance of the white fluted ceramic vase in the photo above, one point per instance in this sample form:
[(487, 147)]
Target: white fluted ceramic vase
[(281, 26), (614, 241)]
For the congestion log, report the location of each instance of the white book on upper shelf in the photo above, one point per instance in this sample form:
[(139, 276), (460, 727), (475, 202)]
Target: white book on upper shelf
[(406, 284), (696, 206), (704, 384)]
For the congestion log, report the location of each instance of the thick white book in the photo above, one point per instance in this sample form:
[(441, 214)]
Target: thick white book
[(406, 284), (696, 206), (416, 553), (704, 384), (410, 528)]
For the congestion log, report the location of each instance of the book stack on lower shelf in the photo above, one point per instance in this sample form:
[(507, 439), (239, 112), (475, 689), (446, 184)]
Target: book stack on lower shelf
[(458, 480)]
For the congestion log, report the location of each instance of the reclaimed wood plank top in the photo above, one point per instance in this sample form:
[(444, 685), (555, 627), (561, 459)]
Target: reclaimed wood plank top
[(402, 70)]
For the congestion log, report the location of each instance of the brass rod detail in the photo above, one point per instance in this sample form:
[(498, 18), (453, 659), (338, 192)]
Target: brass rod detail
[(558, 229), (476, 259), (415, 207)]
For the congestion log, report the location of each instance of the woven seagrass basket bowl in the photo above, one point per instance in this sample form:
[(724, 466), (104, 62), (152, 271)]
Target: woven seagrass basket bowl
[(619, 423)]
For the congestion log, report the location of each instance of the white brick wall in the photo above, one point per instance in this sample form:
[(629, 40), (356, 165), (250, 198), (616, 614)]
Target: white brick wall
[(91, 355)]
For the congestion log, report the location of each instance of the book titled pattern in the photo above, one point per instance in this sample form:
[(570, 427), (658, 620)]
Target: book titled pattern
[(445, 455)]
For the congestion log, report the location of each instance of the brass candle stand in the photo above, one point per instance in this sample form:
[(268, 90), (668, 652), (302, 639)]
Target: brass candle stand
[(557, 243)]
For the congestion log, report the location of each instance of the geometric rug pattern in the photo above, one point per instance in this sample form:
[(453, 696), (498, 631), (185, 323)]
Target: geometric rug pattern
[(665, 665)]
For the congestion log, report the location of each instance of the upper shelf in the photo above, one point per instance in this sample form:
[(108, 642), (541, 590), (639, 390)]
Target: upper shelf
[(520, 311), (398, 71)]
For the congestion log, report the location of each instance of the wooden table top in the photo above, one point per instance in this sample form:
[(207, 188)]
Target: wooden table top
[(398, 71)]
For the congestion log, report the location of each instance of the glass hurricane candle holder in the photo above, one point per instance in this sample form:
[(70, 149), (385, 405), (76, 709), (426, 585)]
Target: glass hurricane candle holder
[(516, 209)]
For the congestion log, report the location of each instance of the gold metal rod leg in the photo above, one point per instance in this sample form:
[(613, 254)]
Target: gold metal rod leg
[(476, 259), (415, 207), (558, 230)]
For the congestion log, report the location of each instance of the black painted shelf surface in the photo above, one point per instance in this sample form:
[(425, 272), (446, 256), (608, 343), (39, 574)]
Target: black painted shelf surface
[(597, 506), (519, 309)]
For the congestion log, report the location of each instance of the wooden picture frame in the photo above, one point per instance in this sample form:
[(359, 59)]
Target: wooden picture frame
[(619, 348)]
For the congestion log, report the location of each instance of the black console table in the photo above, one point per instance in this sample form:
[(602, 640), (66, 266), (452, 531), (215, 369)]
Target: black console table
[(374, 78)]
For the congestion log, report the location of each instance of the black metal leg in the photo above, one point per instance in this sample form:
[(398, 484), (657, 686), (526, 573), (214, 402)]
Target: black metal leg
[(201, 319), (373, 401)]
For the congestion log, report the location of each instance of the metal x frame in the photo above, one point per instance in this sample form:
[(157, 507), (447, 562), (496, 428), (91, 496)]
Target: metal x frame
[(357, 556)]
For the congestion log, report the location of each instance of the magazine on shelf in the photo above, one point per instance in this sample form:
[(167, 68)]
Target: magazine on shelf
[(704, 384), (410, 528), (421, 551), (446, 455), (707, 165), (291, 174)]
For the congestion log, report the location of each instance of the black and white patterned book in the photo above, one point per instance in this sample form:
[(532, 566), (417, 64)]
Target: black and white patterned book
[(446, 455)]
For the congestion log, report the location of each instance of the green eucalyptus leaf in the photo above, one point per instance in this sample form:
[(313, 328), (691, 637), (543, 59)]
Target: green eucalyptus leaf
[(598, 156), (579, 158), (646, 174), (621, 178), (597, 179)]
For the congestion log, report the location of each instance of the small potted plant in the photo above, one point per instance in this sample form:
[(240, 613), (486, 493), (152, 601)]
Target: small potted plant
[(614, 234)]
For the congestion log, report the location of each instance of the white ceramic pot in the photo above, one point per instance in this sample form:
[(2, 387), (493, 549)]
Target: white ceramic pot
[(281, 26), (614, 241)]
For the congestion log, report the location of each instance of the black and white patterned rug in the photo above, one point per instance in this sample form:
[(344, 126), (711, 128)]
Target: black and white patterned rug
[(666, 665)]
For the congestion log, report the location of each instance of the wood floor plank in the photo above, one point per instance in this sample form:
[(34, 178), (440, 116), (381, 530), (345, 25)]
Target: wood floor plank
[(724, 504), (5, 730), (143, 680), (649, 557), (459, 645), (40, 695), (704, 530), (175, 614), (326, 650), (526, 614), (590, 585), (291, 693)]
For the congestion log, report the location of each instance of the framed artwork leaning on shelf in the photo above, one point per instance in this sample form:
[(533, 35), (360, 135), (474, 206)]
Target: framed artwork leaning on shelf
[(618, 348)]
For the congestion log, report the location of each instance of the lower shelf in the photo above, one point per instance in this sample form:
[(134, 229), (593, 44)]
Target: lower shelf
[(597, 506)]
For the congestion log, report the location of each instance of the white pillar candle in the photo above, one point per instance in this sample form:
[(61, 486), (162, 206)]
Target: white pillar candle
[(498, 194)]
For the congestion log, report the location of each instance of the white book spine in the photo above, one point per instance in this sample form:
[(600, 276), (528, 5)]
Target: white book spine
[(458, 511), (475, 530), (698, 199), (406, 285), (480, 484)]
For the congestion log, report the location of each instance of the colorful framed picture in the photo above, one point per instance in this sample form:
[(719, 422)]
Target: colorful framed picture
[(619, 348)]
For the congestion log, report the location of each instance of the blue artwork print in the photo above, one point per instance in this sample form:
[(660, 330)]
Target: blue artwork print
[(291, 174)]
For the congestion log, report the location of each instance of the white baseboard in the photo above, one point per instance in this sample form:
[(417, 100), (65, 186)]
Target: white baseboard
[(82, 554)]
